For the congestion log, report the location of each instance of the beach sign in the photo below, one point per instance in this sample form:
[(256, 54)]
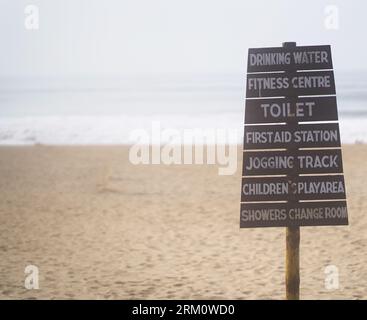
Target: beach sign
[(292, 172)]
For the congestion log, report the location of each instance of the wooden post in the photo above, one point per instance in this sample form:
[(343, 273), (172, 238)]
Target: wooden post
[(292, 277)]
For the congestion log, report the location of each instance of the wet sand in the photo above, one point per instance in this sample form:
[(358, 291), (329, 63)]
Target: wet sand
[(99, 227)]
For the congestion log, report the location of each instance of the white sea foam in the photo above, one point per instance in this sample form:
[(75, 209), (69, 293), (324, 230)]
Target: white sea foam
[(79, 130), (88, 111)]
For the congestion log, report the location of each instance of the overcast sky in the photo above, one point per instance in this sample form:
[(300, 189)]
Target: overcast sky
[(84, 37)]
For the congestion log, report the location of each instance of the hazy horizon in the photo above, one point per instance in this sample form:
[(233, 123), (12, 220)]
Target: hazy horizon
[(94, 71)]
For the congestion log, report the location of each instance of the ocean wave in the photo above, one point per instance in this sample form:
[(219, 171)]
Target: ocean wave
[(95, 130)]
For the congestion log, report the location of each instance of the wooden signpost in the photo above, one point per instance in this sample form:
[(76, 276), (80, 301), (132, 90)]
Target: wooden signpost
[(292, 171)]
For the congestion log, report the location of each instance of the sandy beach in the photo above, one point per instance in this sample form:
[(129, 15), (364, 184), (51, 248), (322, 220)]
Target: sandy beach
[(99, 227)]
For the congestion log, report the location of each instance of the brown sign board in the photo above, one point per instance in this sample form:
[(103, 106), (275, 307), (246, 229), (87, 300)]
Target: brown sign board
[(257, 163), (277, 110), (297, 84), (288, 59), (318, 213), (296, 188), (316, 135), (292, 171)]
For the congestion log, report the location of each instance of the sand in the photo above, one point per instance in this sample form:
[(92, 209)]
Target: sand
[(99, 227)]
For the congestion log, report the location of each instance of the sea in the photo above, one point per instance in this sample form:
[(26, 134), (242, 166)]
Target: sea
[(99, 110)]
